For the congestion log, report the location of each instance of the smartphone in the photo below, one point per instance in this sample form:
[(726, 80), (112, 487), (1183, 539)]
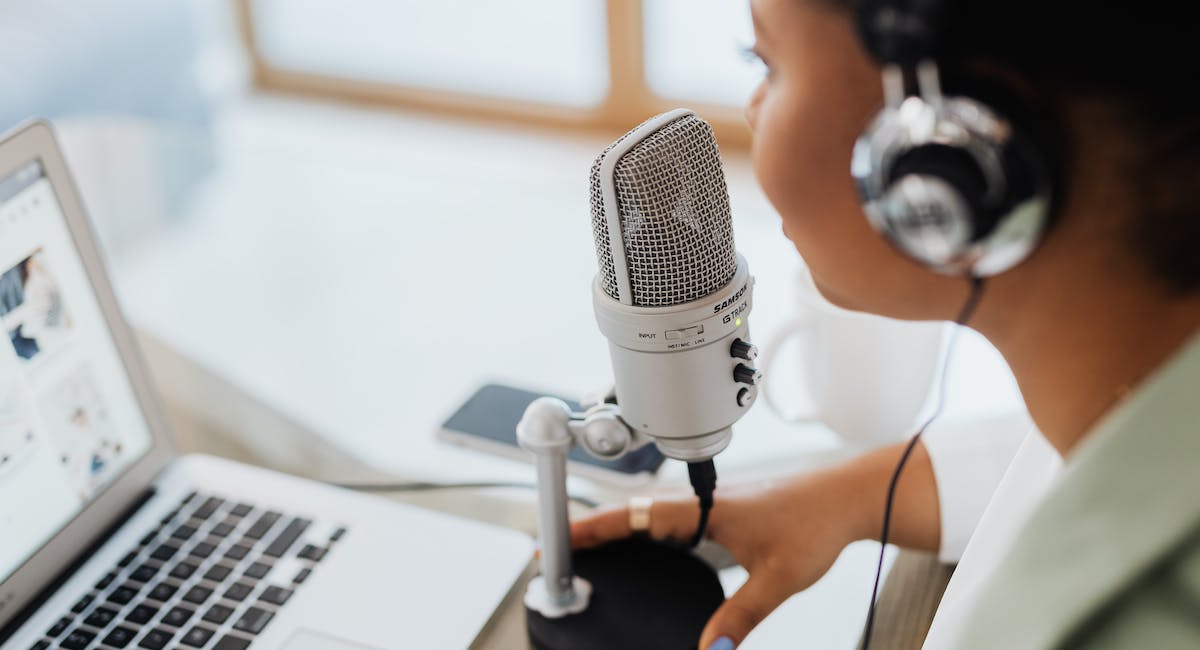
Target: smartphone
[(487, 421)]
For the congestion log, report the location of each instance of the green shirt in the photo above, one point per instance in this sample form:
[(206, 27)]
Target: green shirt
[(1111, 557)]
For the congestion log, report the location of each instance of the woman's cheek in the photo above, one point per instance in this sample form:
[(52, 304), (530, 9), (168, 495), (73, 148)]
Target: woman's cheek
[(770, 155), (788, 169), (804, 172)]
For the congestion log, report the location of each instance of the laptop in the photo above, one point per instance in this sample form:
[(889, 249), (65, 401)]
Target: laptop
[(110, 539)]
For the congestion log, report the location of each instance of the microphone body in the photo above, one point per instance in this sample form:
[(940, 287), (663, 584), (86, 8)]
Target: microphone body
[(672, 295), (674, 370)]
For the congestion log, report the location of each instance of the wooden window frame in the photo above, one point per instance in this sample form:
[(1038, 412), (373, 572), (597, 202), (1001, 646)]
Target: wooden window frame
[(629, 99)]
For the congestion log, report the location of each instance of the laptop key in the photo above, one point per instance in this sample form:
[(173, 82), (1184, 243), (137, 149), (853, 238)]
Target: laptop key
[(197, 636), (237, 552), (310, 552), (258, 570), (40, 645), (202, 550), (83, 603), (217, 572), (264, 523), (120, 637), (184, 570), (178, 616), (183, 533), (242, 509), (302, 576), (101, 617), (288, 537), (141, 613), (122, 595), (253, 620), (197, 594), (156, 639), (144, 573), (127, 560), (163, 591), (223, 529), (218, 614), (164, 552), (275, 595), (231, 642), (59, 627), (238, 591), (77, 640), (207, 508), (106, 580)]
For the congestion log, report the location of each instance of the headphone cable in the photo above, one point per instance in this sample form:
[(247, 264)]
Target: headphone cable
[(964, 315)]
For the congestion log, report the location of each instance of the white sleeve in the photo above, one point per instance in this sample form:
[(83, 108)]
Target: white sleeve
[(969, 457)]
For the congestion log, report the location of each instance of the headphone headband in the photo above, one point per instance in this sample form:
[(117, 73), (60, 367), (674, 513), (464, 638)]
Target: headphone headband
[(902, 32)]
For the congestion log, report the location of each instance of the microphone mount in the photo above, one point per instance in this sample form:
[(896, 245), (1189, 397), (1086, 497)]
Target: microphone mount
[(549, 429)]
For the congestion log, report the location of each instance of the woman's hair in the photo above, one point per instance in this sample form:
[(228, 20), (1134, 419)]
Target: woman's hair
[(1138, 58)]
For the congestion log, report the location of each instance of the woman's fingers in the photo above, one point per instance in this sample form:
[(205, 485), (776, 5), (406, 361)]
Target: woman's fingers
[(599, 528), (668, 520), (745, 609)]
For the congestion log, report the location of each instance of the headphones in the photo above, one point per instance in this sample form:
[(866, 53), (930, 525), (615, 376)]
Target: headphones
[(959, 186)]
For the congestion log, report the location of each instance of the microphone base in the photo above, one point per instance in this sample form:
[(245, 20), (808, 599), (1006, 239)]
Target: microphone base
[(646, 594)]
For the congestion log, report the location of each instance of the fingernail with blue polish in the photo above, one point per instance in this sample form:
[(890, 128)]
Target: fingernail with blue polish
[(723, 643)]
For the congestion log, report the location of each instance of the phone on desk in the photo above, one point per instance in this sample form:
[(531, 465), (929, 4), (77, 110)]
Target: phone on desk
[(488, 421)]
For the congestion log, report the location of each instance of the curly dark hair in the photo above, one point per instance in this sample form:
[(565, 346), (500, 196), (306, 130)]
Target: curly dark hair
[(1136, 58)]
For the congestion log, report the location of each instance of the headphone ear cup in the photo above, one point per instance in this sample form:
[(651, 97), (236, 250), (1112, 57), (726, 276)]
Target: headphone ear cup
[(954, 184), (1034, 154), (925, 217), (957, 169)]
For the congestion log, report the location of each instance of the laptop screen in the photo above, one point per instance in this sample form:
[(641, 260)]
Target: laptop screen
[(69, 421)]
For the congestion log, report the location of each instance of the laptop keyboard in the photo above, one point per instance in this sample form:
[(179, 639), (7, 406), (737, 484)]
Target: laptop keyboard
[(211, 575)]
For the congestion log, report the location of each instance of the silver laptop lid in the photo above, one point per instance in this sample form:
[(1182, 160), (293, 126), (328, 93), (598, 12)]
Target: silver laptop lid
[(80, 436)]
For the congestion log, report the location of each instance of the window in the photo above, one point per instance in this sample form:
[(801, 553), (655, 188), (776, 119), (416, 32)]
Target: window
[(694, 50), (495, 49), (579, 63)]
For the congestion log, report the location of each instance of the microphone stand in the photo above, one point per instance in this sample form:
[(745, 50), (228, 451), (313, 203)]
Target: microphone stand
[(549, 429), (629, 594)]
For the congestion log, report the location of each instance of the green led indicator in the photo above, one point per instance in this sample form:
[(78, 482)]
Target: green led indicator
[(738, 322)]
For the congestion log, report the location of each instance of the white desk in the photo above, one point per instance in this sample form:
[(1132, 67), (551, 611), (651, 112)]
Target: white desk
[(360, 273)]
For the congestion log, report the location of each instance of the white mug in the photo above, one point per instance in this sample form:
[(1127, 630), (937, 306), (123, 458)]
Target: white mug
[(866, 377)]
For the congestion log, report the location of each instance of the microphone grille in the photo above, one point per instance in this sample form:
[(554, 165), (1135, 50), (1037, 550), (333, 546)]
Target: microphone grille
[(675, 221)]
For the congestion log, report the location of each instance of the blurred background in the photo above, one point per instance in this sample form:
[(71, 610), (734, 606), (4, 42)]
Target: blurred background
[(262, 174), (351, 214), (164, 74), (331, 221)]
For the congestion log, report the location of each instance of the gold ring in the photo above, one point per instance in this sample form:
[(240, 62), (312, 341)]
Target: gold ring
[(639, 514)]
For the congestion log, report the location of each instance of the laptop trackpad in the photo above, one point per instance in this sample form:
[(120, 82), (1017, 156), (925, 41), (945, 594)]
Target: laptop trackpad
[(313, 640)]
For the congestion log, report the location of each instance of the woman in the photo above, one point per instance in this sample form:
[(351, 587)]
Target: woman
[(1098, 324)]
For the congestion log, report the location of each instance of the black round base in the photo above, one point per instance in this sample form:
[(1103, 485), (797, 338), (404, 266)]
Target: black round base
[(645, 594)]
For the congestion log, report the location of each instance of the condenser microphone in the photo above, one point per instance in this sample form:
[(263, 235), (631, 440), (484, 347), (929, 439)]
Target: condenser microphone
[(672, 296)]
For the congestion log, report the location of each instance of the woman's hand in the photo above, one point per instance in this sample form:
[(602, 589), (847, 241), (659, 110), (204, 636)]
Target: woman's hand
[(786, 535)]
